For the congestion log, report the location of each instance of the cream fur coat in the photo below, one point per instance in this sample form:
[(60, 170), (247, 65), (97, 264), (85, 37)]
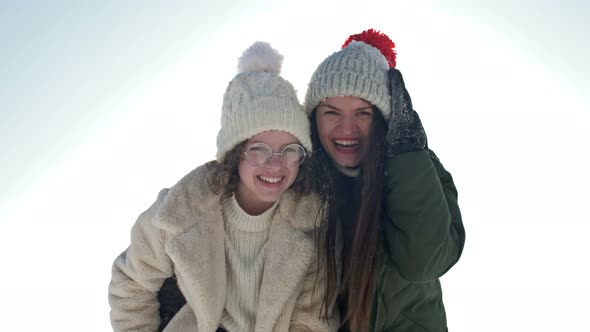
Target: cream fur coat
[(182, 233)]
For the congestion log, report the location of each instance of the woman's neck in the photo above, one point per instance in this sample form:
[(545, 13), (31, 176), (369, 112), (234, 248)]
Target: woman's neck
[(250, 204)]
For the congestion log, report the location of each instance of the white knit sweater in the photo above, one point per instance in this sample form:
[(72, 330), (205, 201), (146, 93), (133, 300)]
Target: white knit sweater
[(245, 239)]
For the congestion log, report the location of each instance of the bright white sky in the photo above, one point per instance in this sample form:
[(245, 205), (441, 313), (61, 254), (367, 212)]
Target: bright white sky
[(103, 103)]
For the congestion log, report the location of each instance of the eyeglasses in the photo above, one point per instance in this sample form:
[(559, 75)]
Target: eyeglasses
[(259, 154)]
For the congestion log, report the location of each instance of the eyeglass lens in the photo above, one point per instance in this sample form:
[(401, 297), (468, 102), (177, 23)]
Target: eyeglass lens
[(259, 154)]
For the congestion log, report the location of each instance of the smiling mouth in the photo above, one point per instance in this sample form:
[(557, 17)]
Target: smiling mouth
[(270, 179), (346, 143)]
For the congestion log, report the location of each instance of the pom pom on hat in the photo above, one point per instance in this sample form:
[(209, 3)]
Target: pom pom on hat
[(359, 69), (378, 40), (260, 57)]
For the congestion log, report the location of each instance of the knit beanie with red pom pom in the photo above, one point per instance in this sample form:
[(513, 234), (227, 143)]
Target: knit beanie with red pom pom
[(359, 70)]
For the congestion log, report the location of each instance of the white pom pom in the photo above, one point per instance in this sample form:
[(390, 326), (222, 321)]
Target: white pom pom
[(260, 57)]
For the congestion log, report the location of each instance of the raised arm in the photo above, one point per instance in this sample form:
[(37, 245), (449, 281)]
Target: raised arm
[(423, 231)]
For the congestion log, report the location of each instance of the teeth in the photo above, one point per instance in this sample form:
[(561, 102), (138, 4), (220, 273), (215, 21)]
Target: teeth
[(269, 179), (341, 142)]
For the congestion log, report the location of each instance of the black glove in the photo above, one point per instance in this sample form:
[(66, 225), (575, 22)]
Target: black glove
[(171, 301), (405, 132)]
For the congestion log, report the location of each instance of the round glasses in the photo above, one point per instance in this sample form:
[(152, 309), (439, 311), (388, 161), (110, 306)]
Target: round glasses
[(259, 154)]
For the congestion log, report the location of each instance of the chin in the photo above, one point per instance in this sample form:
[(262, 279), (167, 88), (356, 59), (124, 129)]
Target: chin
[(271, 198), (348, 164)]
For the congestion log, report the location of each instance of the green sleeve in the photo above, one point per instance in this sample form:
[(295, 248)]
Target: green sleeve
[(423, 230)]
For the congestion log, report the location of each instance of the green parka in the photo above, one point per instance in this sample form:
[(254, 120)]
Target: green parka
[(423, 237)]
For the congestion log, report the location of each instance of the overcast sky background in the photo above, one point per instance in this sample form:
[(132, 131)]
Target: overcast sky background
[(103, 103)]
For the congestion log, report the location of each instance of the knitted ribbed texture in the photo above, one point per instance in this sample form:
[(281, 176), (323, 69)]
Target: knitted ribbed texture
[(245, 237), (259, 101), (358, 70)]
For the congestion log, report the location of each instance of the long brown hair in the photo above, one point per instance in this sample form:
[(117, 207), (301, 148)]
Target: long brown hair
[(360, 277)]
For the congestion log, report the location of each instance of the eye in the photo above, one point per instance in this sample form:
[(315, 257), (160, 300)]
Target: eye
[(329, 112), (257, 153), (293, 155), (257, 150), (365, 114)]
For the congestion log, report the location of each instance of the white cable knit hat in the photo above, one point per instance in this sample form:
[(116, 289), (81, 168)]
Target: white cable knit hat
[(258, 100), (359, 69)]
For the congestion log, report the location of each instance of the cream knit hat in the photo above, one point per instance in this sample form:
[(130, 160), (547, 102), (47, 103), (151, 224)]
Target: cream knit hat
[(359, 69), (258, 100)]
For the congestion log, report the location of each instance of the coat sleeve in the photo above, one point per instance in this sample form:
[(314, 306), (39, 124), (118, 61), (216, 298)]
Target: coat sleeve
[(307, 314), (423, 230), (137, 275)]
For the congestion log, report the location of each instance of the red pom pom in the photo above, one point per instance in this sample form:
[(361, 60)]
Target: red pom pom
[(378, 40)]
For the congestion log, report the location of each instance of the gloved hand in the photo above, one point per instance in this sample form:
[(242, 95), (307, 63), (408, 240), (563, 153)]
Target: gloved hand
[(405, 132)]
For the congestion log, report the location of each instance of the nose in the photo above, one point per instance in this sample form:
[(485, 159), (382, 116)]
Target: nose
[(348, 124), (274, 162)]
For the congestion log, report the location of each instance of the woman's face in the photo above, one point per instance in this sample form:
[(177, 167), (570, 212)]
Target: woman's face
[(261, 186), (344, 125)]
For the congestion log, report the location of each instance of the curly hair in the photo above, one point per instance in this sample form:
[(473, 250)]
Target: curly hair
[(224, 178)]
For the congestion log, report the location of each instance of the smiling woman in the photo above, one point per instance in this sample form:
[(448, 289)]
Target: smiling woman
[(344, 124), (214, 237), (264, 176)]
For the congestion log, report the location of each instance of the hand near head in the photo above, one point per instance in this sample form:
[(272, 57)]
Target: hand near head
[(405, 131)]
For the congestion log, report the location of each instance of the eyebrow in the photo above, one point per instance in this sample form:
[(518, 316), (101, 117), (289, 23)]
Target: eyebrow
[(338, 109), (254, 141)]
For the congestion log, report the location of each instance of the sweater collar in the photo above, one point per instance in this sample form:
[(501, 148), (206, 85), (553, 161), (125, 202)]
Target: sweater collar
[(240, 219)]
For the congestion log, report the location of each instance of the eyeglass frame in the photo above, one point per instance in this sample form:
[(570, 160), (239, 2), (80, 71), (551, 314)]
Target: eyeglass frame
[(272, 154)]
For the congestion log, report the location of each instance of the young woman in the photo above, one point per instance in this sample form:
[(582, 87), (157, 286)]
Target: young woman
[(390, 206), (237, 234)]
